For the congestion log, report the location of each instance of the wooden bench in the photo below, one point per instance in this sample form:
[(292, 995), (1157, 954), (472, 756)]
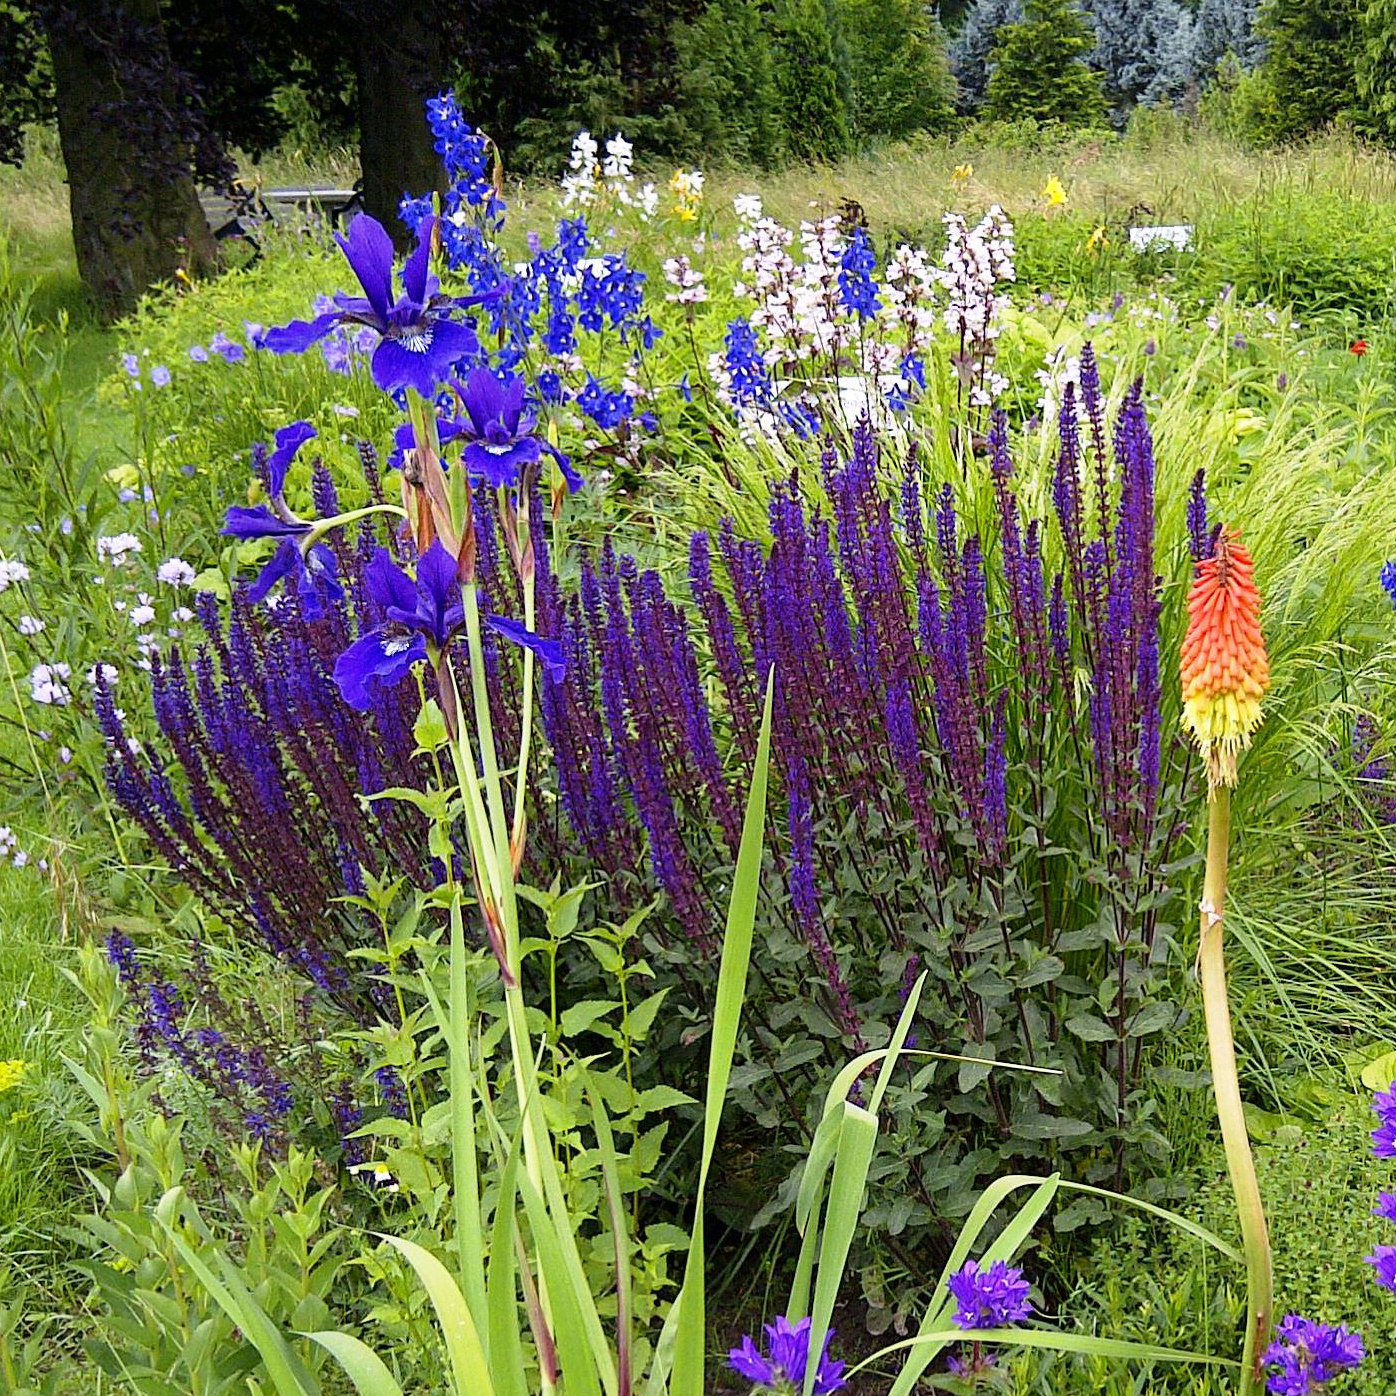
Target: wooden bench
[(245, 210)]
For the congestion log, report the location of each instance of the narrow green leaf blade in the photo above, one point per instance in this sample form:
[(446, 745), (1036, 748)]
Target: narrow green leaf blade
[(691, 1304), (361, 1364), (470, 1371)]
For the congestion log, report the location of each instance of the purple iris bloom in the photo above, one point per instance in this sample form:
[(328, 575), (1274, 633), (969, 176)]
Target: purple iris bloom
[(418, 343), (787, 1350), (313, 570), (421, 616), (259, 521), (991, 1297), (499, 430)]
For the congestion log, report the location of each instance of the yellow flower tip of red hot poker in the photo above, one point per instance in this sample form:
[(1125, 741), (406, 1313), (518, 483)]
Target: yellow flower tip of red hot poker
[(1223, 664)]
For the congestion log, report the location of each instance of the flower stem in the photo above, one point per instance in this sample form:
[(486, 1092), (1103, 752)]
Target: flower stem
[(1227, 1090)]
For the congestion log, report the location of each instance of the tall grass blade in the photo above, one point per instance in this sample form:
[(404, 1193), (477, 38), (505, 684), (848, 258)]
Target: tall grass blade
[(469, 1370), (691, 1304), (361, 1364)]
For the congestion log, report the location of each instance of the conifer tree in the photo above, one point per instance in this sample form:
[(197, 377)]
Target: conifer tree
[(726, 69), (1145, 50), (1376, 69), (901, 78), (972, 45), (808, 79), (1222, 27), (1310, 63), (1039, 69)]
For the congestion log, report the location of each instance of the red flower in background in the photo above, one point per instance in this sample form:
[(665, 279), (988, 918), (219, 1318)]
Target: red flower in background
[(1358, 347)]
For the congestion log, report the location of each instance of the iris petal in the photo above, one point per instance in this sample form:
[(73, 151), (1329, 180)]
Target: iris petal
[(369, 251), (299, 335), (375, 658), (549, 651), (257, 521), (289, 440), (422, 359)]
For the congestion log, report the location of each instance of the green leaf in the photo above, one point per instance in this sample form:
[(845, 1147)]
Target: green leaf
[(470, 1371), (361, 1364), (642, 1016), (857, 1140), (582, 1014), (1090, 1028), (231, 1295), (1379, 1074), (689, 1314), (429, 731), (1046, 1338)]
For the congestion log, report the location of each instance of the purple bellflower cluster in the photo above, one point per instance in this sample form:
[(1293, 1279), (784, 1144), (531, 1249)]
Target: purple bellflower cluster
[(1383, 1258), (989, 1296), (1306, 1355), (782, 1364)]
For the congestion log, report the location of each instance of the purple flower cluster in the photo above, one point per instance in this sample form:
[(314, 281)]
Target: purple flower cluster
[(1383, 1258), (782, 1365), (253, 793), (990, 1296), (1306, 1354), (896, 731)]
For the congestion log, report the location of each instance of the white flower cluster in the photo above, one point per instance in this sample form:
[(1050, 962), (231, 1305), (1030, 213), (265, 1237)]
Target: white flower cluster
[(747, 207), (175, 572), (114, 547), (12, 573), (588, 180), (797, 303), (680, 272), (48, 684), (976, 263)]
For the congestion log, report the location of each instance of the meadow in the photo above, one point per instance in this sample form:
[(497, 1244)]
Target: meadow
[(833, 717)]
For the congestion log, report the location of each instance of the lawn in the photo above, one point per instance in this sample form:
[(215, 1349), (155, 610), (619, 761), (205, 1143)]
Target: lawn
[(296, 933)]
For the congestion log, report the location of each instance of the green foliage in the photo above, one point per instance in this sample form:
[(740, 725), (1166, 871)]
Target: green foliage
[(726, 72), (900, 74), (1309, 65), (1375, 65), (811, 87), (1319, 1180), (1039, 68)]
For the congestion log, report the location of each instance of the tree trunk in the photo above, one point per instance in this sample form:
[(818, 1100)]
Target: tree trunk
[(135, 212), (399, 65)]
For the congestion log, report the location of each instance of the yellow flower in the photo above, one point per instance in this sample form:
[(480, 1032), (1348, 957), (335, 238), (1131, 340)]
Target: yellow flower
[(1097, 239), (963, 173), (11, 1073), (1053, 192)]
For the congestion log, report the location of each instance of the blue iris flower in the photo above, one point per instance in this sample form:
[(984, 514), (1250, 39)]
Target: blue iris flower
[(313, 570), (419, 344), (421, 617), (498, 430)]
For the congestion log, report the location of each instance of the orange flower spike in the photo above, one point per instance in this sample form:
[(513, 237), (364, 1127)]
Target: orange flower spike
[(1223, 664)]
